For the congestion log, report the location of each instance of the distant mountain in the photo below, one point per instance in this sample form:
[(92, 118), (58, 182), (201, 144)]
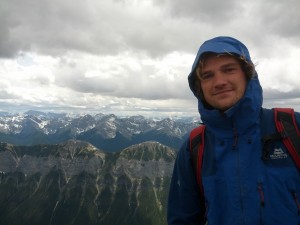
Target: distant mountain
[(75, 183), (107, 132)]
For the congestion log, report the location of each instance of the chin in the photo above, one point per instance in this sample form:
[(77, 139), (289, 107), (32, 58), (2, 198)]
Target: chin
[(224, 107)]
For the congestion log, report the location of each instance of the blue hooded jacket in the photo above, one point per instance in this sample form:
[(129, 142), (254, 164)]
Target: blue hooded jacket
[(239, 187)]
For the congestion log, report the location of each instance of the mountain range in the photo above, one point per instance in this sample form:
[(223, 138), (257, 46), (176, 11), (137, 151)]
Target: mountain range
[(106, 132), (75, 183), (73, 169)]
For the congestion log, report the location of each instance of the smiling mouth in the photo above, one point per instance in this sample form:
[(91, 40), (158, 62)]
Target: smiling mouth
[(222, 92)]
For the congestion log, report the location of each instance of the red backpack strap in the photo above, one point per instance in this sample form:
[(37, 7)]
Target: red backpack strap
[(197, 150), (286, 125)]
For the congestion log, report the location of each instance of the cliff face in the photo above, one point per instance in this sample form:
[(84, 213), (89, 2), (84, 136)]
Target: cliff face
[(75, 183)]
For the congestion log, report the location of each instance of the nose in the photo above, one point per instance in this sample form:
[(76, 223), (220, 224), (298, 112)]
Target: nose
[(219, 80)]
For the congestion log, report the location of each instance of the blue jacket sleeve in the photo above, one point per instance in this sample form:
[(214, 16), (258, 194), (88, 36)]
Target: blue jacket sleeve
[(184, 195), (297, 116)]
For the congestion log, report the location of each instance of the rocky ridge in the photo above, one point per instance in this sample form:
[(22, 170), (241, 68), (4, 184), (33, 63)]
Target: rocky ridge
[(76, 183)]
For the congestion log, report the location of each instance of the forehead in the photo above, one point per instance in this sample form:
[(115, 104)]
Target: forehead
[(215, 60)]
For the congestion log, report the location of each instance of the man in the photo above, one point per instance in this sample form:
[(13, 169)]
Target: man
[(239, 187)]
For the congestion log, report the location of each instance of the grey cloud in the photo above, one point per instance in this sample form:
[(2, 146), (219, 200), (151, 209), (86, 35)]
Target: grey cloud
[(133, 87), (108, 27), (212, 11), (54, 27), (281, 17), (7, 47), (280, 95), (4, 95), (51, 27), (4, 92), (124, 83)]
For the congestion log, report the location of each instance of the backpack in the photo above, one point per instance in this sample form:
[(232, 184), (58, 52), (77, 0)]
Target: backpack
[(287, 130)]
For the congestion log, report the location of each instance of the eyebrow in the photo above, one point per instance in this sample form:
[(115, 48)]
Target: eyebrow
[(223, 66), (230, 64)]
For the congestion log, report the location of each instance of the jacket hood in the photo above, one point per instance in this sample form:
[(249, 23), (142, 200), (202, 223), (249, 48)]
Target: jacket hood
[(248, 106)]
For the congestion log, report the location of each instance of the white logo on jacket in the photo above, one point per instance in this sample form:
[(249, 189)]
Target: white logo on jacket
[(278, 154)]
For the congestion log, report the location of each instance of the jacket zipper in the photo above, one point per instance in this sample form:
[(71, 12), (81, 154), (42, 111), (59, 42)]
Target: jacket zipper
[(235, 139), (296, 201), (262, 201), (261, 194), (234, 147)]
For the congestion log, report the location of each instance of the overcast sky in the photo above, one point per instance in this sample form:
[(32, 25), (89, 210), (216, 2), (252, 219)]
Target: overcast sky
[(131, 57)]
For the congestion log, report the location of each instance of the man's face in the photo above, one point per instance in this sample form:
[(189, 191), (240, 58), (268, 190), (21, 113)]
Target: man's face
[(223, 81)]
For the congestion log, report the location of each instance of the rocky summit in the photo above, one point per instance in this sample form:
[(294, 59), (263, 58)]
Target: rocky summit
[(76, 183)]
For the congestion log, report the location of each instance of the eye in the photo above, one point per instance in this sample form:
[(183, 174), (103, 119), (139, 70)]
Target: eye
[(229, 69), (206, 76)]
